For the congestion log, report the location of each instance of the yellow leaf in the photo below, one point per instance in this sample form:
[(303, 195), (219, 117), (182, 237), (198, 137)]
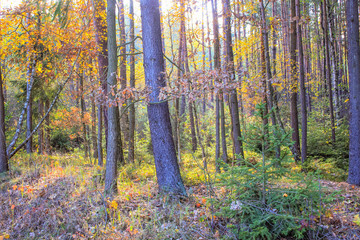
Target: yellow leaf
[(357, 219), (114, 204)]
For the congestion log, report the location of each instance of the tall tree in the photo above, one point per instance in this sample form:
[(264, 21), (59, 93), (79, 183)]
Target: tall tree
[(267, 71), (328, 66), (233, 99), (352, 19), (294, 83), (123, 77), (167, 168), (131, 153), (102, 58), (113, 139), (4, 166), (302, 84), (219, 108)]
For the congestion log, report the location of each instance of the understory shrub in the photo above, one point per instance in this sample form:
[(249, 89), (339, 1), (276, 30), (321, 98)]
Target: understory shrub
[(270, 198)]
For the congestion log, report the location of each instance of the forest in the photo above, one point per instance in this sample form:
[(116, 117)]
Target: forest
[(179, 119)]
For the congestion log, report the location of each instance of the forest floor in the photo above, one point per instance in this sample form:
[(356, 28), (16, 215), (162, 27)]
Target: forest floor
[(61, 197)]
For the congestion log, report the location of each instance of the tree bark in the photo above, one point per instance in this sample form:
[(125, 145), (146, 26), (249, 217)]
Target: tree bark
[(167, 168), (82, 113), (220, 116), (113, 145), (328, 68), (4, 164), (93, 128), (102, 58), (294, 83), (234, 107), (41, 129), (352, 19), (131, 153), (123, 77), (268, 73), (302, 84)]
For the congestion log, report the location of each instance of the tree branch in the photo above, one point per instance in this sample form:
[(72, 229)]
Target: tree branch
[(47, 113)]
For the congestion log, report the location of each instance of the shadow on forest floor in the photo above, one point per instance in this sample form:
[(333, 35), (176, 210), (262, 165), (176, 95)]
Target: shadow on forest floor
[(65, 201)]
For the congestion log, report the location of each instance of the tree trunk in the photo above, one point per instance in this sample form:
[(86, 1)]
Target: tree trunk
[(93, 128), (167, 168), (29, 111), (352, 19), (123, 80), (294, 82), (113, 145), (4, 165), (217, 134), (302, 84), (82, 113), (41, 129), (47, 129), (131, 153), (328, 68), (220, 116), (102, 58), (234, 107), (268, 74), (192, 127)]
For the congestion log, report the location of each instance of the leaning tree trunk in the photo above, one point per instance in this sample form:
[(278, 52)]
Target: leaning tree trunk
[(352, 17), (4, 166), (167, 168)]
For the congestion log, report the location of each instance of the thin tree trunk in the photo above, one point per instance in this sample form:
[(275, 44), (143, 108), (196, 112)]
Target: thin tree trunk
[(234, 109), (220, 112), (4, 164), (302, 85), (131, 153), (328, 69), (122, 66), (267, 65), (217, 134), (93, 128), (102, 54), (41, 129), (82, 113), (294, 82)]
